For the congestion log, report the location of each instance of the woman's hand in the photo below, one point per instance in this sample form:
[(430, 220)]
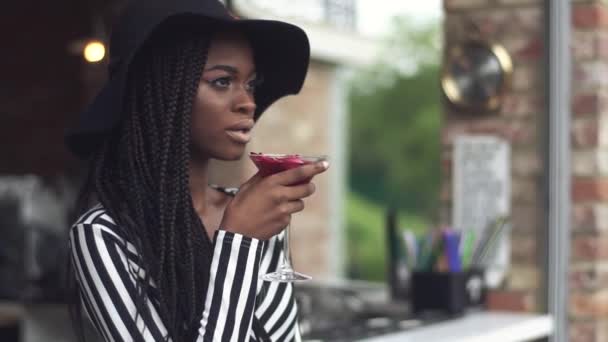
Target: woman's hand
[(263, 206)]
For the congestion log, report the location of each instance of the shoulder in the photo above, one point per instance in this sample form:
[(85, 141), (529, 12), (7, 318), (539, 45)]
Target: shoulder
[(96, 218), (95, 229)]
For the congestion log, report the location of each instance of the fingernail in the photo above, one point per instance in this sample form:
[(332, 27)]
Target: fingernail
[(324, 164)]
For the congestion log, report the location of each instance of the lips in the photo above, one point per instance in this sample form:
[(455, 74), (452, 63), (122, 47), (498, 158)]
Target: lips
[(243, 125), (241, 131), (239, 136)]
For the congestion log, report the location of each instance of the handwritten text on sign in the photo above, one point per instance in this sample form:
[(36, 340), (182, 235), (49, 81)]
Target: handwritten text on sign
[(482, 179)]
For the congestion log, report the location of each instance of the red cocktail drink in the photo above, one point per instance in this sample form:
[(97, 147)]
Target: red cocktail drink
[(269, 164)]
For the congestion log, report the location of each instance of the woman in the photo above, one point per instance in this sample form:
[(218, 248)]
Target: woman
[(159, 254)]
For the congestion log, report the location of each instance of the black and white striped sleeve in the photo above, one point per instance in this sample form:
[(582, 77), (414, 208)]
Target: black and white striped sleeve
[(108, 287), (231, 295)]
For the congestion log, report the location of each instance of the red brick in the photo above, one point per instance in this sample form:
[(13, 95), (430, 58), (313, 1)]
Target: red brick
[(505, 300), (527, 77), (583, 218), (524, 249), (588, 330), (590, 15), (589, 304), (533, 50), (585, 132), (517, 132), (452, 26), (583, 45), (586, 103), (588, 276), (524, 47), (452, 129), (585, 189), (525, 218), (491, 23), (521, 105), (529, 19), (524, 276), (446, 166), (589, 248), (587, 45), (590, 218), (590, 75), (524, 190), (500, 22), (525, 163), (582, 331), (582, 278), (445, 193), (601, 45)]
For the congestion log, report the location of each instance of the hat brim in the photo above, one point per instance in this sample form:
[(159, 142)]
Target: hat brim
[(282, 55)]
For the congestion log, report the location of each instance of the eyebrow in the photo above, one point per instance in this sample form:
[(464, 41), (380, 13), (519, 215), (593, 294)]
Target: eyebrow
[(226, 68)]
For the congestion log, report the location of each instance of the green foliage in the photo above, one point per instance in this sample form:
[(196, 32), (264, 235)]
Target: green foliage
[(366, 236), (395, 121), (394, 145)]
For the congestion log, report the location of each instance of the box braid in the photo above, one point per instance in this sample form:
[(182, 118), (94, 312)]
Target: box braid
[(140, 176)]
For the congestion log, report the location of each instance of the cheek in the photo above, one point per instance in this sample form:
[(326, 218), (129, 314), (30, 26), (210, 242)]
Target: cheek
[(207, 118)]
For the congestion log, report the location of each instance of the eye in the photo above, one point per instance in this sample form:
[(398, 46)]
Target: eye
[(255, 83), (222, 82)]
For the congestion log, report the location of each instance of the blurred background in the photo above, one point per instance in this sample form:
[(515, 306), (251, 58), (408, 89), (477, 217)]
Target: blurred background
[(436, 116)]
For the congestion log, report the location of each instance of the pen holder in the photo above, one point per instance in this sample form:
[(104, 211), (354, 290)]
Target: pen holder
[(449, 292)]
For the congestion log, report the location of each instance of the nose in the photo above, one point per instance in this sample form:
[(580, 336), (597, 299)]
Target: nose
[(245, 103)]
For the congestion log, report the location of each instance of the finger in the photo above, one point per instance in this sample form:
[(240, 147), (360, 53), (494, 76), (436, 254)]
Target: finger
[(293, 207), (299, 174), (296, 192)]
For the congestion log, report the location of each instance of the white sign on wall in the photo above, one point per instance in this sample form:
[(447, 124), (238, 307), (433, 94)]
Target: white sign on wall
[(482, 191)]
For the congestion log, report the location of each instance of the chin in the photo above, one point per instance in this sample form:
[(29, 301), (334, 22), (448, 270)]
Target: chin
[(234, 158), (231, 155)]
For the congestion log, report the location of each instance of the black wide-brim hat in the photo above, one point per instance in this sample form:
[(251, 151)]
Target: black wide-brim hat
[(280, 48)]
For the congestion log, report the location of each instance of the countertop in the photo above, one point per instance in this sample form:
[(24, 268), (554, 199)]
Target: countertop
[(480, 326)]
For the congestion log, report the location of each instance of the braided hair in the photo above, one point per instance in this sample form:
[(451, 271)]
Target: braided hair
[(140, 176)]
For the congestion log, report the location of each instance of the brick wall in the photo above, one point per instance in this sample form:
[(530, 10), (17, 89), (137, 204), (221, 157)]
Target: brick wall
[(589, 263), (518, 24)]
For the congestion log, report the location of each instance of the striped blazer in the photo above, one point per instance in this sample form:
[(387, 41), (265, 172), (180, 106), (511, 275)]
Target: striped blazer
[(239, 306)]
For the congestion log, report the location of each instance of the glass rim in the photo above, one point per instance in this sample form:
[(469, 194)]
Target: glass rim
[(283, 155)]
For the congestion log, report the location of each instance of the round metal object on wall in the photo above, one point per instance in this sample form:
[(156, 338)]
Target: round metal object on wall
[(476, 75)]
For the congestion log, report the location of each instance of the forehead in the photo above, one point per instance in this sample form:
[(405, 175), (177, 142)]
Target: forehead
[(230, 47)]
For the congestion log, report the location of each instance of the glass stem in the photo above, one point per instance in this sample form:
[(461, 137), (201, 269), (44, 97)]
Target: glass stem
[(286, 266)]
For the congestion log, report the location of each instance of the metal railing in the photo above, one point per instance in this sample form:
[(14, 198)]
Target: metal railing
[(558, 196)]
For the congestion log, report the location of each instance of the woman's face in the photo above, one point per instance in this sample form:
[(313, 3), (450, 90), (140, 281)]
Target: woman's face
[(224, 105)]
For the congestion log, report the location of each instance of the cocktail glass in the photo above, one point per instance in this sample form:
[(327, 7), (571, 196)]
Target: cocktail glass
[(269, 164)]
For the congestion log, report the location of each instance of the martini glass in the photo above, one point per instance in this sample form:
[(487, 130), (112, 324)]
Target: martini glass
[(269, 164)]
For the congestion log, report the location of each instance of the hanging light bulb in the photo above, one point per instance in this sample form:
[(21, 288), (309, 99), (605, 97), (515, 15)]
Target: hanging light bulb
[(94, 51)]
